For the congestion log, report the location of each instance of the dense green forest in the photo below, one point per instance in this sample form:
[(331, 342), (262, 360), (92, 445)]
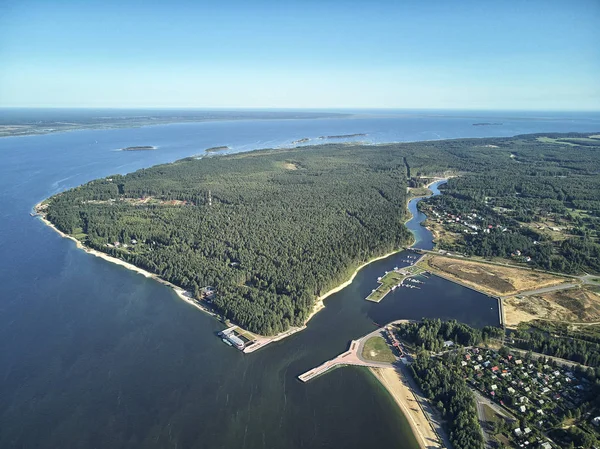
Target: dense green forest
[(448, 390), (430, 334), (273, 229), (534, 194), (558, 341)]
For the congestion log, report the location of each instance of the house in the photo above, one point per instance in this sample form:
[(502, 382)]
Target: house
[(518, 432), (522, 409), (448, 343)]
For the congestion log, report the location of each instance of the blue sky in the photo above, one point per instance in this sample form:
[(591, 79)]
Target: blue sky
[(537, 55)]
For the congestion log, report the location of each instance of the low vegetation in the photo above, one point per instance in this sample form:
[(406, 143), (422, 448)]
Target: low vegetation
[(377, 350), (575, 305), (492, 279)]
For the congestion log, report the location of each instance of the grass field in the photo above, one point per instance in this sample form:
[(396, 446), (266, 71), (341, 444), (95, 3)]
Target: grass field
[(571, 141), (377, 350), (418, 191)]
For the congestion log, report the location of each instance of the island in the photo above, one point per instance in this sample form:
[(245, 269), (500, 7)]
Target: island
[(304, 139), (139, 148), (273, 232), (487, 124), (217, 149)]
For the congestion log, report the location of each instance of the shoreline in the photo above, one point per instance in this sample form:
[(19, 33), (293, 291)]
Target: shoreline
[(417, 425), (402, 394), (261, 340)]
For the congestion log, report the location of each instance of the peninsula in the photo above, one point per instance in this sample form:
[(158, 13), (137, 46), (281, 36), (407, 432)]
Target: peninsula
[(324, 211)]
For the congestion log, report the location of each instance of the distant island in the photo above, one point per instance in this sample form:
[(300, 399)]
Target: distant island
[(305, 139), (27, 122), (215, 149), (343, 136), (139, 148), (487, 124)]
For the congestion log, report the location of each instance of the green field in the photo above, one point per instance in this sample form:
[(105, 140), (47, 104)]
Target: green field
[(377, 350)]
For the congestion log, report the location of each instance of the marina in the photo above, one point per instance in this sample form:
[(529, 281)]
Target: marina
[(398, 278)]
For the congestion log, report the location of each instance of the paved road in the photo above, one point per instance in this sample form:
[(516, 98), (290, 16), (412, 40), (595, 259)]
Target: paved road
[(480, 401)]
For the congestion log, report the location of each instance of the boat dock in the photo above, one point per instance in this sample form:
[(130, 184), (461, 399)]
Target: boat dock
[(396, 278)]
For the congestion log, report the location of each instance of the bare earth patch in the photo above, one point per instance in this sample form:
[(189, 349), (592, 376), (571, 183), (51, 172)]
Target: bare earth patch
[(290, 166), (491, 279), (576, 305)]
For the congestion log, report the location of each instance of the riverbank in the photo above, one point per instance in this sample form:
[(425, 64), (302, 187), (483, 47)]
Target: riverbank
[(394, 382)]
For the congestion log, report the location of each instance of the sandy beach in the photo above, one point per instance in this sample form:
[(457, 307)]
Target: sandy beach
[(186, 296), (261, 340), (396, 385)]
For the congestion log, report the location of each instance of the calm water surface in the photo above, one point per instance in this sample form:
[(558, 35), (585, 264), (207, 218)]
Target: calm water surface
[(94, 356)]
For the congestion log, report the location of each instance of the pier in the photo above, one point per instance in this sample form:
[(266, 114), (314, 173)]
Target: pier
[(353, 356)]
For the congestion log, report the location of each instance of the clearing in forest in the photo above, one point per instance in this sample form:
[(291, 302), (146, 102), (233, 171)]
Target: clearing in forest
[(575, 305)]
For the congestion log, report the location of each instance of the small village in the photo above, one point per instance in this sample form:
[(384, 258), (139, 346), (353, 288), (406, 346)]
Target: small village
[(473, 224)]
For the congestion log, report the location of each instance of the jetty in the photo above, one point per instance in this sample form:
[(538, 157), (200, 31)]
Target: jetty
[(353, 356)]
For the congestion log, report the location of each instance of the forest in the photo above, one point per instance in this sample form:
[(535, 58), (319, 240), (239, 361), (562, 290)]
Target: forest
[(543, 201), (430, 334), (449, 392), (560, 341), (272, 230)]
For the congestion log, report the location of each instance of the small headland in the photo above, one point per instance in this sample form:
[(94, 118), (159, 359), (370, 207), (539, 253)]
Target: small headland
[(342, 136), (217, 149), (140, 148)]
